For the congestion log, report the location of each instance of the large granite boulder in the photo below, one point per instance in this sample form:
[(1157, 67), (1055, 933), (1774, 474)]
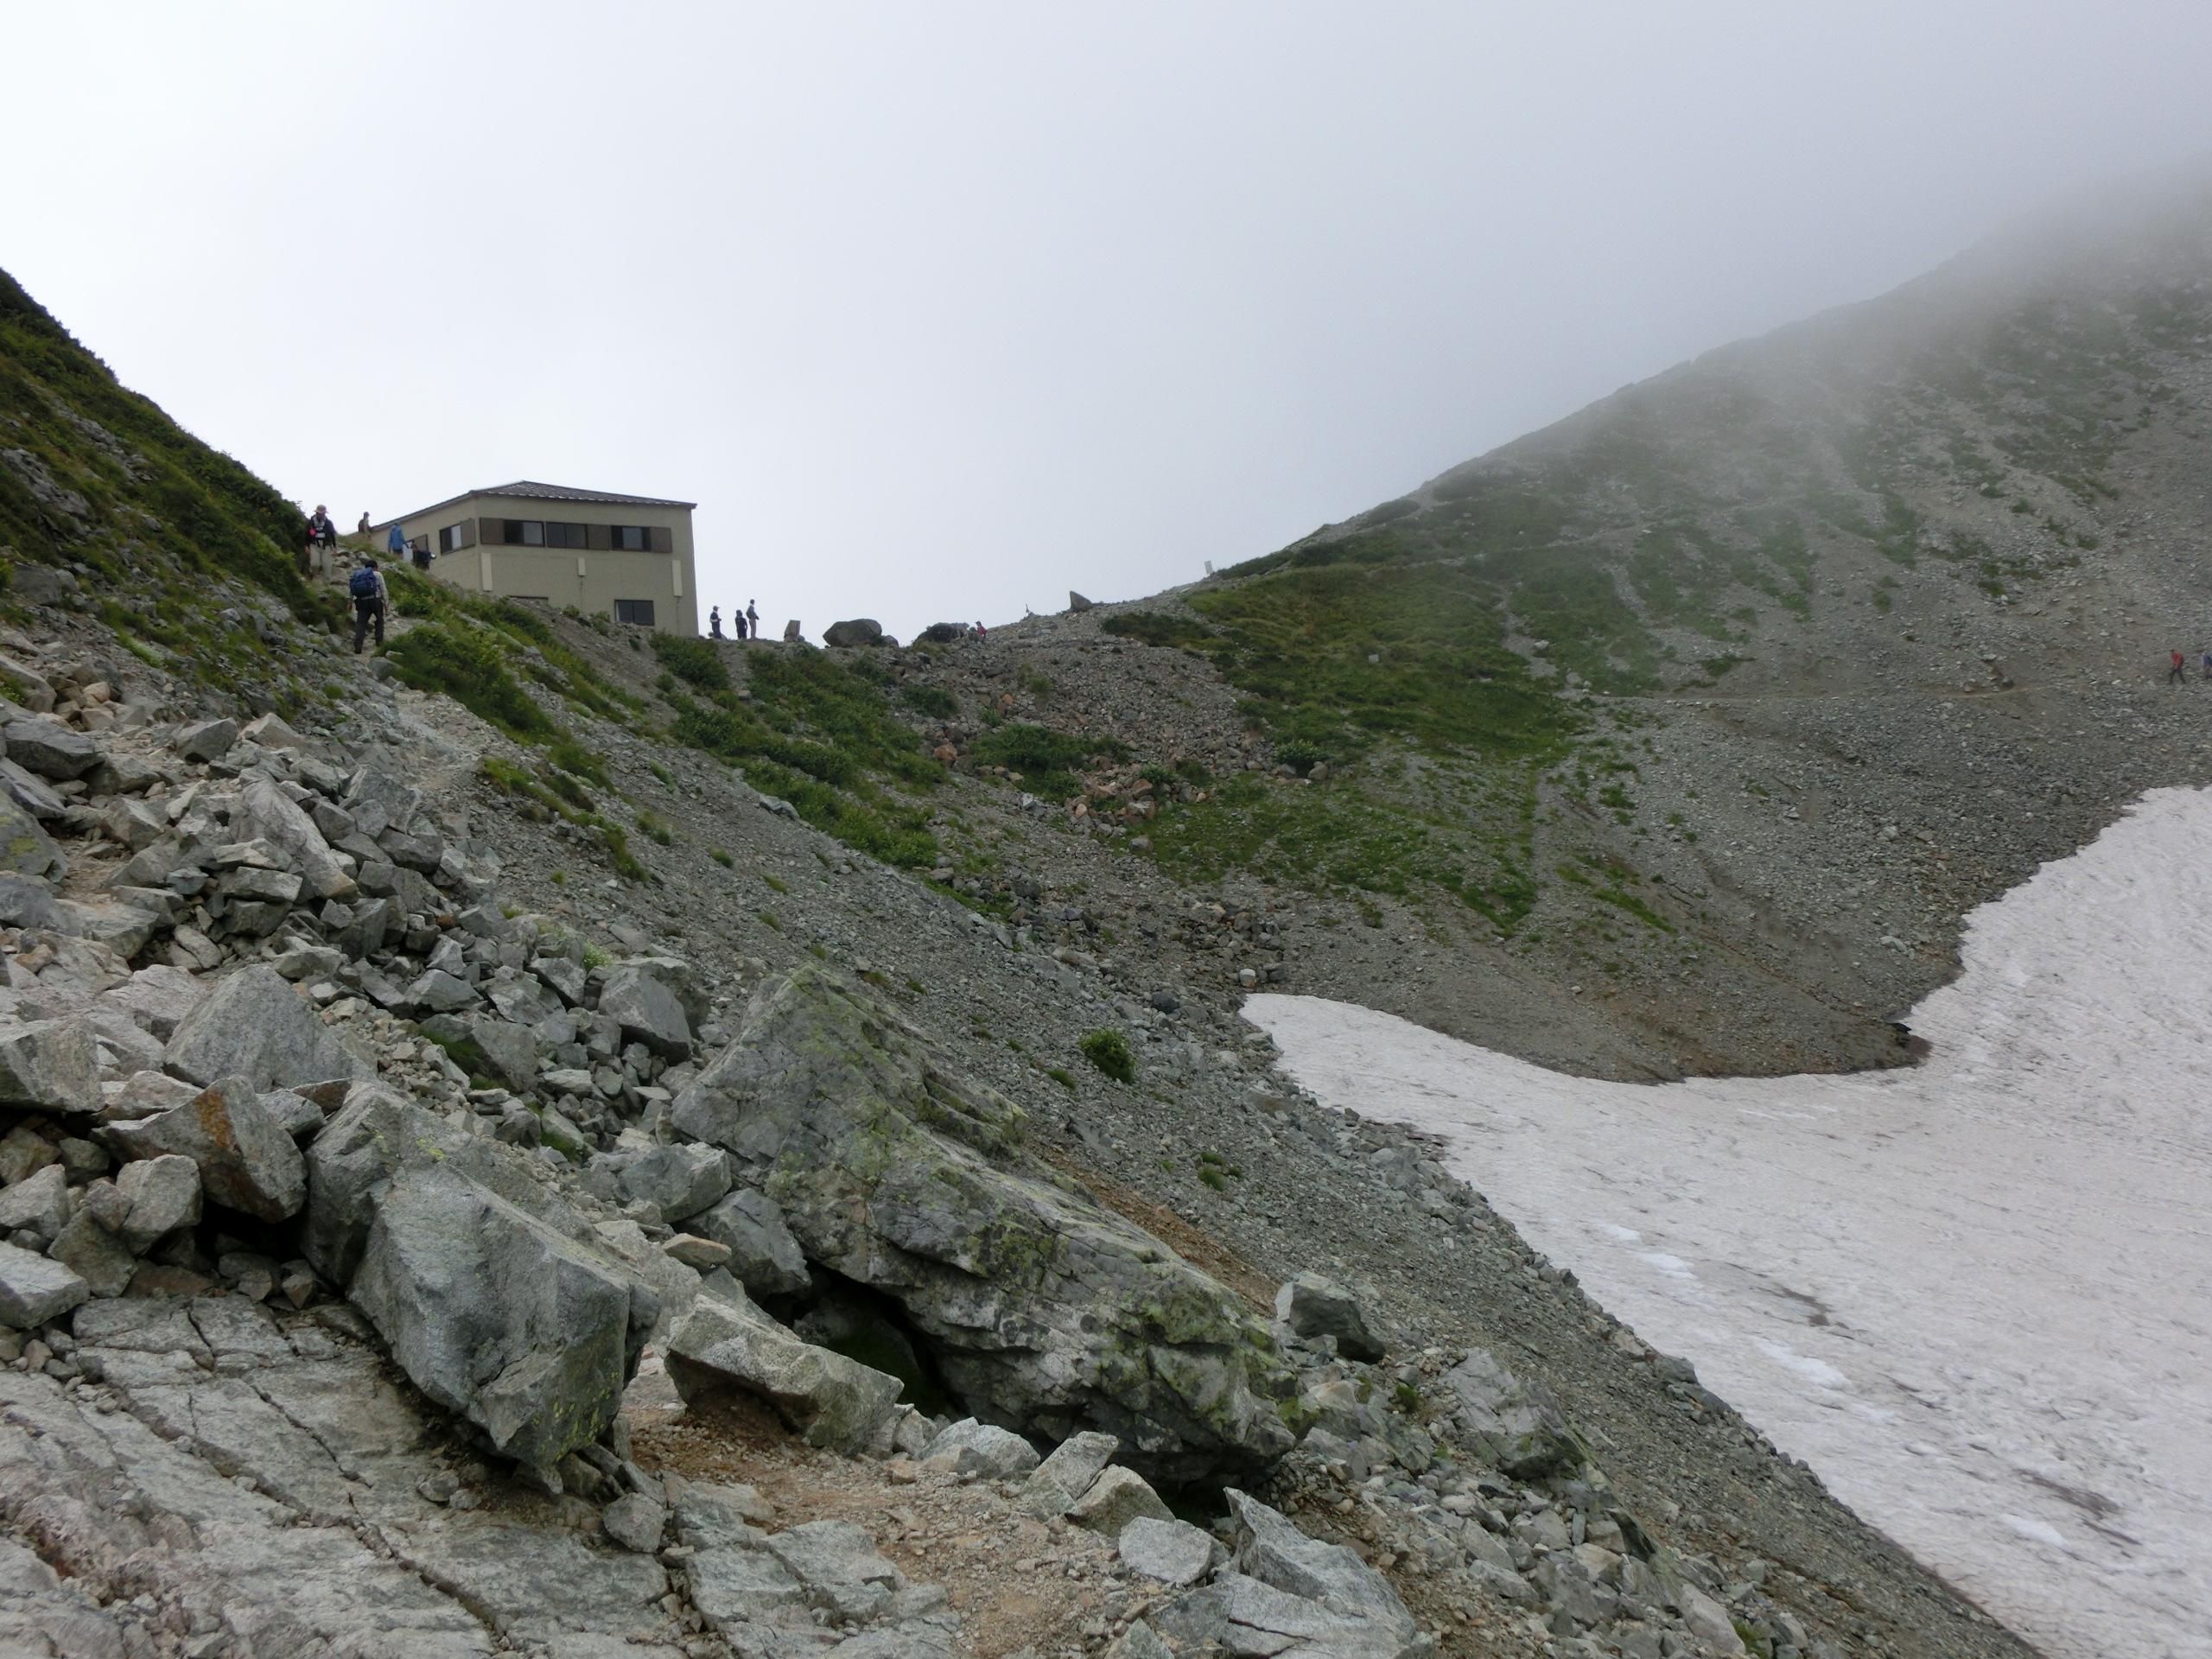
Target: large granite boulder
[(495, 1316), (1045, 1312), (254, 1025)]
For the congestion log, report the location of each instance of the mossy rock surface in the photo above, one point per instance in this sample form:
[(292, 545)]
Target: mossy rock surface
[(1042, 1307)]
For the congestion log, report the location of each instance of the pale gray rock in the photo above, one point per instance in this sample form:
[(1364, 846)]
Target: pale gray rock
[(681, 1179), (125, 929), (25, 847), (711, 1515), (567, 980), (1271, 1550), (51, 749), (164, 1195), (1118, 1496), (296, 1115), (308, 961), (158, 998), (136, 824), (52, 1064), (702, 1254), (525, 1001), (540, 1584), (375, 1136), (28, 902), (93, 1253), (439, 992), (144, 1093), (35, 1288), (682, 978), (1076, 1461), (764, 1255), (208, 739), (494, 1315), (1708, 1621), (26, 685), (271, 732), (42, 1202), (1520, 1427), (838, 1564), (31, 792), (981, 1449), (727, 1343), (513, 1050), (246, 1157), (256, 1026), (735, 1586), (1314, 1307), (1044, 1310), (1174, 1551), (635, 1522), (647, 1011)]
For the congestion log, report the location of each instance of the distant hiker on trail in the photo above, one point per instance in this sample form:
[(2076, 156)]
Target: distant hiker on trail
[(752, 619), (321, 531), (2179, 671), (369, 598), (714, 623), (737, 621), (362, 529), (422, 555), (983, 634), (395, 545), (2207, 665)]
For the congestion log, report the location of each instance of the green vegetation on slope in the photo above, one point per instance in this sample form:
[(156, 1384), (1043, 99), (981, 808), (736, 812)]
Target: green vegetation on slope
[(815, 734)]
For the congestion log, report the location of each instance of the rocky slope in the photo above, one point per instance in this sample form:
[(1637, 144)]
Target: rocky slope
[(557, 1133), (1677, 736)]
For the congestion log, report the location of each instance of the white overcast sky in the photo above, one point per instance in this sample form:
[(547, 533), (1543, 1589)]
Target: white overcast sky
[(938, 310)]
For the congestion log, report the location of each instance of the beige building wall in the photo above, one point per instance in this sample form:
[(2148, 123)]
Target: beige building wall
[(592, 578)]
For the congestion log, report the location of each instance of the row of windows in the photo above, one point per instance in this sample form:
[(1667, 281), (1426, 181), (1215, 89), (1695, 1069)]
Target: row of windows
[(618, 539)]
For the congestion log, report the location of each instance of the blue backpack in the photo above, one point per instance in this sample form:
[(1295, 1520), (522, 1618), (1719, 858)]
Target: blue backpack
[(362, 584)]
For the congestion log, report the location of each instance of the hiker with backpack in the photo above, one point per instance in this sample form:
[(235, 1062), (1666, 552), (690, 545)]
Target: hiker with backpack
[(371, 597)]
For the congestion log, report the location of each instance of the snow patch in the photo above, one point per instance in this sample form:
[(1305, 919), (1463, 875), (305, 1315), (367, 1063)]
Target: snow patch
[(1971, 1295)]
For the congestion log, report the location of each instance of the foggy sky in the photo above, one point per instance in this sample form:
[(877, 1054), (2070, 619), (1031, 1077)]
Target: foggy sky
[(938, 310)]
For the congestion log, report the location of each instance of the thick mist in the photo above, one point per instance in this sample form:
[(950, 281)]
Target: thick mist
[(938, 312)]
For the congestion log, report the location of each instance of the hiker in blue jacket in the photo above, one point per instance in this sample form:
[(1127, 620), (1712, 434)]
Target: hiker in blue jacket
[(395, 545), (371, 598)]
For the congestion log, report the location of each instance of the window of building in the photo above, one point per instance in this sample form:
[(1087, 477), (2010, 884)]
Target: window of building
[(639, 610), (566, 535), (524, 532), (449, 539), (632, 538)]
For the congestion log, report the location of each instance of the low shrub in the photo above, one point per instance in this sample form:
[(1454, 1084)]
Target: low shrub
[(1108, 1050)]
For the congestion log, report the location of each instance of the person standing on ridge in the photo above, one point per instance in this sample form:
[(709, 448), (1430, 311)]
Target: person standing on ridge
[(737, 621), (371, 597), (2179, 671), (395, 545), (714, 622), (752, 619), (362, 529), (2207, 665)]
